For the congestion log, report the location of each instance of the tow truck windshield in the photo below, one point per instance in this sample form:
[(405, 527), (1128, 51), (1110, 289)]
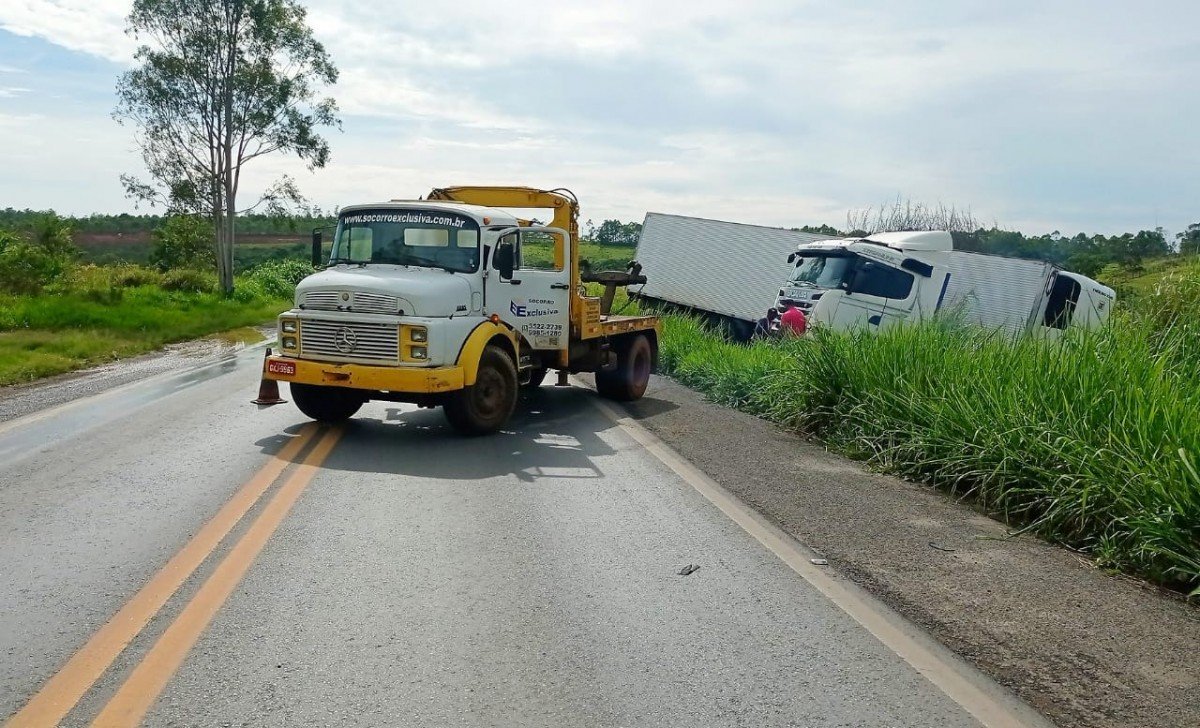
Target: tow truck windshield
[(426, 238), (820, 271)]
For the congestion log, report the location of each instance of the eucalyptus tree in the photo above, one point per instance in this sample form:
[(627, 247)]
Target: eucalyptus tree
[(215, 85)]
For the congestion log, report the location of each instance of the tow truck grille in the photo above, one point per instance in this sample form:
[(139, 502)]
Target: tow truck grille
[(375, 303), (328, 300), (343, 341), (364, 302)]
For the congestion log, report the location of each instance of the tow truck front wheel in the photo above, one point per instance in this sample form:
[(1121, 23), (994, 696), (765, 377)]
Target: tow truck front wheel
[(629, 379), (326, 404), (485, 406)]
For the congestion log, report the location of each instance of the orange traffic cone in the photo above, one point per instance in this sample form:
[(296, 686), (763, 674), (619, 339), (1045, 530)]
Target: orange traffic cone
[(268, 389)]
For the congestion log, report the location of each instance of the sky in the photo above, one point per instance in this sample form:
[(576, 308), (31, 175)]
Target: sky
[(1068, 115)]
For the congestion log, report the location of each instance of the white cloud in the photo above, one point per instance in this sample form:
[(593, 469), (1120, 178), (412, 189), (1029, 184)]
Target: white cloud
[(96, 27), (770, 111)]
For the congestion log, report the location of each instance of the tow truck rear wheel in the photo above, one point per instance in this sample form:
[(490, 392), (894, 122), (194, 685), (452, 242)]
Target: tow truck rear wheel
[(326, 404), (629, 379), (485, 406)]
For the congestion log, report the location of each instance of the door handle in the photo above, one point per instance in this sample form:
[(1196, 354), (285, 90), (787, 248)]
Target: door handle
[(561, 286), (515, 282)]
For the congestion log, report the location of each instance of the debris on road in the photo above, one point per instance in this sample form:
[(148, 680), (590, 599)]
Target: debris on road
[(689, 569)]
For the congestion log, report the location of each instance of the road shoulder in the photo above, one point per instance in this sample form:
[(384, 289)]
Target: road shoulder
[(1084, 647), (20, 400)]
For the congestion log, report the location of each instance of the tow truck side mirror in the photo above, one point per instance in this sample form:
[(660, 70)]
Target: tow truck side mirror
[(316, 248), (792, 258), (503, 259)]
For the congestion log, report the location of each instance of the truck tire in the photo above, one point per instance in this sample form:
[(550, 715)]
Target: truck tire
[(326, 404), (628, 381), (485, 406)]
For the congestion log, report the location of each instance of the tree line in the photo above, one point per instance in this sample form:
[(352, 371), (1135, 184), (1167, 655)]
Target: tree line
[(1081, 253), (125, 223)]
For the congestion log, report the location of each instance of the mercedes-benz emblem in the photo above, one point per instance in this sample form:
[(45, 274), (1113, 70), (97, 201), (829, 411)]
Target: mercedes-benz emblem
[(345, 340)]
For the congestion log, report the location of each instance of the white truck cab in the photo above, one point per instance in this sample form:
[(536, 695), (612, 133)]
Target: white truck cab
[(825, 265), (886, 279)]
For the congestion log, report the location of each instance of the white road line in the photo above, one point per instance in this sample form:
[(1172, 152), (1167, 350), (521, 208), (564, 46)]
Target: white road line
[(988, 702)]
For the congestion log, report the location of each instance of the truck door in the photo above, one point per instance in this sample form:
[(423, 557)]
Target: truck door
[(535, 300), (876, 296)]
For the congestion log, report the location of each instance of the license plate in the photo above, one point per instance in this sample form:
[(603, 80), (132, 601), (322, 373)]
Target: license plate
[(286, 368)]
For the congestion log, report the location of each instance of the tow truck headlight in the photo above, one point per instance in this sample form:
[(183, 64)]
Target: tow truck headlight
[(288, 326), (418, 352), (289, 342), (418, 334)]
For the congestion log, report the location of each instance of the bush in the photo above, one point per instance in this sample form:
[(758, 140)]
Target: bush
[(189, 281), (183, 241), (278, 278), (127, 275), (26, 267)]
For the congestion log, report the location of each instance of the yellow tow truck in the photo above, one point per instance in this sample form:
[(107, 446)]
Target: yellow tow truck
[(427, 301)]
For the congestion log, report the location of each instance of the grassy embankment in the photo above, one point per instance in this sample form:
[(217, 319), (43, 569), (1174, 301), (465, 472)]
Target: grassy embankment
[(95, 314), (1093, 442)]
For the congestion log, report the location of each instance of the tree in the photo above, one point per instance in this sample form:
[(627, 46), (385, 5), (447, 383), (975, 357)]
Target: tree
[(219, 83), (183, 241), (54, 234), (615, 232), (1189, 240), (908, 215), (820, 230)]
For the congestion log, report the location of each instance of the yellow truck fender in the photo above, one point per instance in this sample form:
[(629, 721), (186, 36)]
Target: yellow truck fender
[(480, 337)]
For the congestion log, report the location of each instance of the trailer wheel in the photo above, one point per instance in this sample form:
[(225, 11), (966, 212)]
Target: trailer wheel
[(486, 405), (326, 404), (628, 381)]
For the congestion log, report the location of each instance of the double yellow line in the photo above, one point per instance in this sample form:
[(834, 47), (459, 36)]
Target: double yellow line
[(135, 697)]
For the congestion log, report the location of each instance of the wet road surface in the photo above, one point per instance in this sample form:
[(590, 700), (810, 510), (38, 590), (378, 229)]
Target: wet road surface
[(175, 556)]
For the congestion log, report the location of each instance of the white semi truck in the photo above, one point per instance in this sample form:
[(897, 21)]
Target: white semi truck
[(889, 278), (727, 272)]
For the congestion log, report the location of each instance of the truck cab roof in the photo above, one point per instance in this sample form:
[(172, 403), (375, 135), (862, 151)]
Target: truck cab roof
[(914, 240), (907, 240), (492, 215)]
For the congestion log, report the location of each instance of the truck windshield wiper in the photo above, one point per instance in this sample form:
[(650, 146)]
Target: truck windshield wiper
[(348, 261)]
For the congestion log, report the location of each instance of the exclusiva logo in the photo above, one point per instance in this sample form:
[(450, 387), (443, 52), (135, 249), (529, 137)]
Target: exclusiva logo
[(522, 309)]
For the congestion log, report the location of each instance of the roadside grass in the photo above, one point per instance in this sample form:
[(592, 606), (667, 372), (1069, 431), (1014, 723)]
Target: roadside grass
[(599, 257), (1092, 442), (98, 314)]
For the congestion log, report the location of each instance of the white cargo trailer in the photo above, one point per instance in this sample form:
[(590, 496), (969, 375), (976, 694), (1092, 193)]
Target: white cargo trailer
[(726, 271)]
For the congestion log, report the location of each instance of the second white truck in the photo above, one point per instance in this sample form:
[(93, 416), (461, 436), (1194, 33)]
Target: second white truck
[(889, 278)]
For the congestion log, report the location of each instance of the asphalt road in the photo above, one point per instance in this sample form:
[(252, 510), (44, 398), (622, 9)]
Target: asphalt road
[(175, 556)]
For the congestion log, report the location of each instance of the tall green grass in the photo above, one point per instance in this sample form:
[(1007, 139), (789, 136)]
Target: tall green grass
[(1093, 441), (100, 313)]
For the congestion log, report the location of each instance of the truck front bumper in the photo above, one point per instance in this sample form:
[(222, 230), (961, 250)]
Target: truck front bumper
[(414, 380)]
